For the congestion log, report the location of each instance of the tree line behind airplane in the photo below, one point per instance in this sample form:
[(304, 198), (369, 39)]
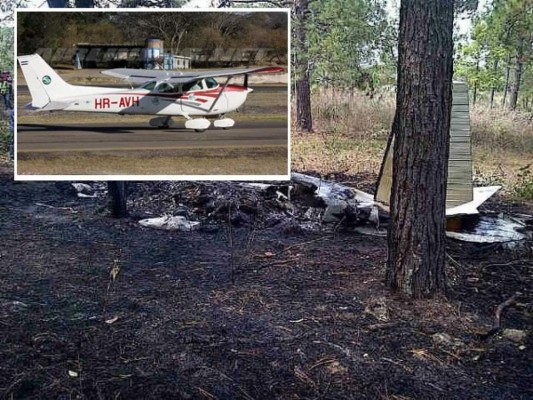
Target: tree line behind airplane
[(131, 56), (206, 36)]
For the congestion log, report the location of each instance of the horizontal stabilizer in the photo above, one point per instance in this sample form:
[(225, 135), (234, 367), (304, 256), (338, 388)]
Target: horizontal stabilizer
[(480, 195), (51, 106)]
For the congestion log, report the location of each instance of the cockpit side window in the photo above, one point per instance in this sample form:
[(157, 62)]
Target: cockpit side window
[(149, 85), (194, 85), (165, 87), (210, 83)]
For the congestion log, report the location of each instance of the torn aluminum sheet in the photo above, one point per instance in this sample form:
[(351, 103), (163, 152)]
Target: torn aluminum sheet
[(170, 223), (338, 198), (83, 190), (480, 195), (486, 229), (491, 229)]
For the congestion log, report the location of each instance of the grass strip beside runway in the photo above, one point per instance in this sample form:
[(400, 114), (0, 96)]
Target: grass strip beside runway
[(223, 161)]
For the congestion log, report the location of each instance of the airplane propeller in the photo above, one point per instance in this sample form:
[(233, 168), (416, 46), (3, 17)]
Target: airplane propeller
[(245, 80)]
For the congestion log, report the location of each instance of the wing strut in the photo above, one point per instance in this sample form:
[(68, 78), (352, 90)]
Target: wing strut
[(220, 94)]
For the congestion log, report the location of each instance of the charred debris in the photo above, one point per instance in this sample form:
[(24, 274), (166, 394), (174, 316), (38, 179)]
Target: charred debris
[(305, 203)]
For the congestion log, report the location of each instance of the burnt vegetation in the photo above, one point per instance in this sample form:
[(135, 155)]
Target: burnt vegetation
[(260, 302)]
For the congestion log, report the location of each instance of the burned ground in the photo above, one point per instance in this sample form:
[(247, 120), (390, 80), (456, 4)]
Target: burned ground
[(269, 308)]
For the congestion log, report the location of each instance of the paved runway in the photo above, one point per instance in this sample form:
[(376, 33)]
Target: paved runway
[(43, 138)]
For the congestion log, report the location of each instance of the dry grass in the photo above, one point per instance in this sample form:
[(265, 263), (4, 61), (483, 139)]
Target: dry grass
[(351, 131), (331, 153), (502, 131), (503, 148), (352, 114), (267, 161)]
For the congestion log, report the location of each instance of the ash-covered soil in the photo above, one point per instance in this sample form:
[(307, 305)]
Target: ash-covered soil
[(267, 307)]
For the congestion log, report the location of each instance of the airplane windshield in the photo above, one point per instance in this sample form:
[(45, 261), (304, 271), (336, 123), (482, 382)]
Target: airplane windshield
[(211, 83), (148, 85)]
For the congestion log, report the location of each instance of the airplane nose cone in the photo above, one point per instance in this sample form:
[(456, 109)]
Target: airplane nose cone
[(250, 90)]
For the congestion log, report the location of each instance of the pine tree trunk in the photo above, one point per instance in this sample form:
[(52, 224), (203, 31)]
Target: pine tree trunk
[(507, 73), (493, 88), (416, 260), (474, 99), (118, 198), (304, 119), (515, 87)]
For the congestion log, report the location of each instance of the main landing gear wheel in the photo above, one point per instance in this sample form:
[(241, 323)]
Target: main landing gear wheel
[(161, 122), (198, 124), (224, 123)]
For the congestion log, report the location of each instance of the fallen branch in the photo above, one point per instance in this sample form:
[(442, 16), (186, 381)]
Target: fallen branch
[(496, 325), (507, 303), (386, 325)]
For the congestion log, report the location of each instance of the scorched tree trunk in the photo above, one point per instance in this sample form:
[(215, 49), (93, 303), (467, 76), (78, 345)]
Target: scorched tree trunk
[(118, 198), (421, 126), (304, 119)]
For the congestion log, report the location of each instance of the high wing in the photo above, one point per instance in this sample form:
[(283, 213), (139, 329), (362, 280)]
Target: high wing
[(143, 75)]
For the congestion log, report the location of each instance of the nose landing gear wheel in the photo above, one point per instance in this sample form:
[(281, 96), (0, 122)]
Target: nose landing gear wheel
[(198, 124)]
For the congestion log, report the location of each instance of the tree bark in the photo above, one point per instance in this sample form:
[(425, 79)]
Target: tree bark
[(416, 237), (508, 72), (118, 198), (519, 60), (475, 83), (493, 88), (304, 119)]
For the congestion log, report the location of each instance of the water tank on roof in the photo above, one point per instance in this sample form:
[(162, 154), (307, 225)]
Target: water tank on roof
[(153, 49)]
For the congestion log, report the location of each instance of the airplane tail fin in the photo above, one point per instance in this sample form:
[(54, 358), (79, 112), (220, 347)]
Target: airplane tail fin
[(44, 83), (459, 185)]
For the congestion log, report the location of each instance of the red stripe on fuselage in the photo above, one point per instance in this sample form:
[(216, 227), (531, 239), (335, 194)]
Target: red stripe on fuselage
[(209, 93)]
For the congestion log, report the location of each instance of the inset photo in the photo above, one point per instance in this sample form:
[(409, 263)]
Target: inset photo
[(152, 95)]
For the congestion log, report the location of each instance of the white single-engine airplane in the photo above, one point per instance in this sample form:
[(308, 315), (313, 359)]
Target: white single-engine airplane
[(162, 93)]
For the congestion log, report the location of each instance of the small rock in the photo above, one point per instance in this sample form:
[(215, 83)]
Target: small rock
[(514, 335), (446, 340), (377, 307)]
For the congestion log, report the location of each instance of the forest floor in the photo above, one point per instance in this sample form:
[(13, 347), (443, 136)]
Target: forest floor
[(93, 307)]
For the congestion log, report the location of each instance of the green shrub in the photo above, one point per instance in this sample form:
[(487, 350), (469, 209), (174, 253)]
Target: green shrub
[(524, 183)]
